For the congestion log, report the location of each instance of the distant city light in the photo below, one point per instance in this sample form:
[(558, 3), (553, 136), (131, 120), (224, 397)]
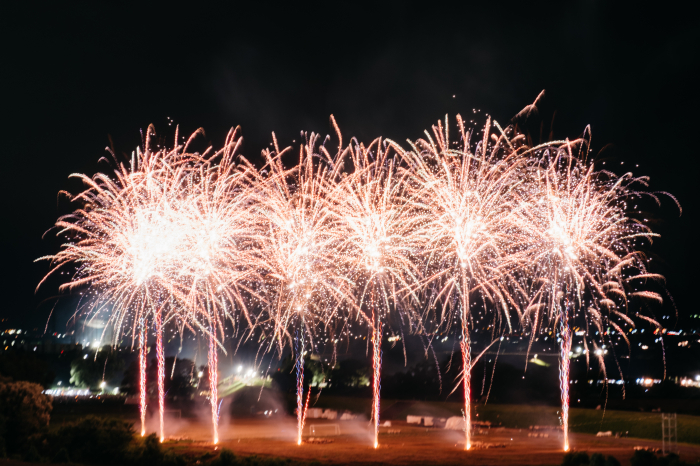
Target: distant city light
[(647, 382), (66, 392)]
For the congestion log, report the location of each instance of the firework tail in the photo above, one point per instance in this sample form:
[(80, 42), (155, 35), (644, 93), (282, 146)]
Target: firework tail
[(376, 384), (306, 407), (467, 361), (564, 366), (301, 412), (213, 382), (142, 376), (161, 373)]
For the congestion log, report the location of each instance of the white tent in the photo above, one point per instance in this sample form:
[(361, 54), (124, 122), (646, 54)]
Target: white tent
[(455, 423), (314, 413)]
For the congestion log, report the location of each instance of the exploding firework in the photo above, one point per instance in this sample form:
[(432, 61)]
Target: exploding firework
[(216, 272), (465, 195), (197, 241), (123, 243), (579, 251), (380, 245), (161, 241), (298, 243)]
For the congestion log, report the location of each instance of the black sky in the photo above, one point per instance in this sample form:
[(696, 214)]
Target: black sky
[(74, 74)]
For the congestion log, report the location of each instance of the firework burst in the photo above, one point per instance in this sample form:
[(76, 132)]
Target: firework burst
[(579, 250), (160, 240), (380, 245), (298, 243), (377, 233), (464, 195)]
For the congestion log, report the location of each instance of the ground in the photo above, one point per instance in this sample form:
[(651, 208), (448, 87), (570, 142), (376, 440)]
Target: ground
[(401, 444), (189, 431)]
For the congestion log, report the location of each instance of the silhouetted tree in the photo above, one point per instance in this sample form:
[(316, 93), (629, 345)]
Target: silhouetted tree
[(90, 371), (24, 412)]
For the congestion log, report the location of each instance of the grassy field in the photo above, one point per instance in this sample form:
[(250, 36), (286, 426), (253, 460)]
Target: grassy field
[(638, 424)]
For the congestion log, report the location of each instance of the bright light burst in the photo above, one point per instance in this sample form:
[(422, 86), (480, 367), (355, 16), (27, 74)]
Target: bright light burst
[(579, 251), (390, 237), (380, 245), (162, 240), (463, 196), (298, 242)]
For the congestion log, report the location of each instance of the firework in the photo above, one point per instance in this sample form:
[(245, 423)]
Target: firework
[(465, 195), (380, 244), (579, 249), (298, 244), (122, 241), (215, 274), (198, 241), (164, 233)]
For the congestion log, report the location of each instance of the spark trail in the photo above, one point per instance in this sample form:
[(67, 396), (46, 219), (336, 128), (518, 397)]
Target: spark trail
[(300, 380), (142, 376), (213, 386), (161, 373)]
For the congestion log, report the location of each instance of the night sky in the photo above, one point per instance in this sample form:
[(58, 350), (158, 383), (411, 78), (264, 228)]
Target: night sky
[(74, 76)]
